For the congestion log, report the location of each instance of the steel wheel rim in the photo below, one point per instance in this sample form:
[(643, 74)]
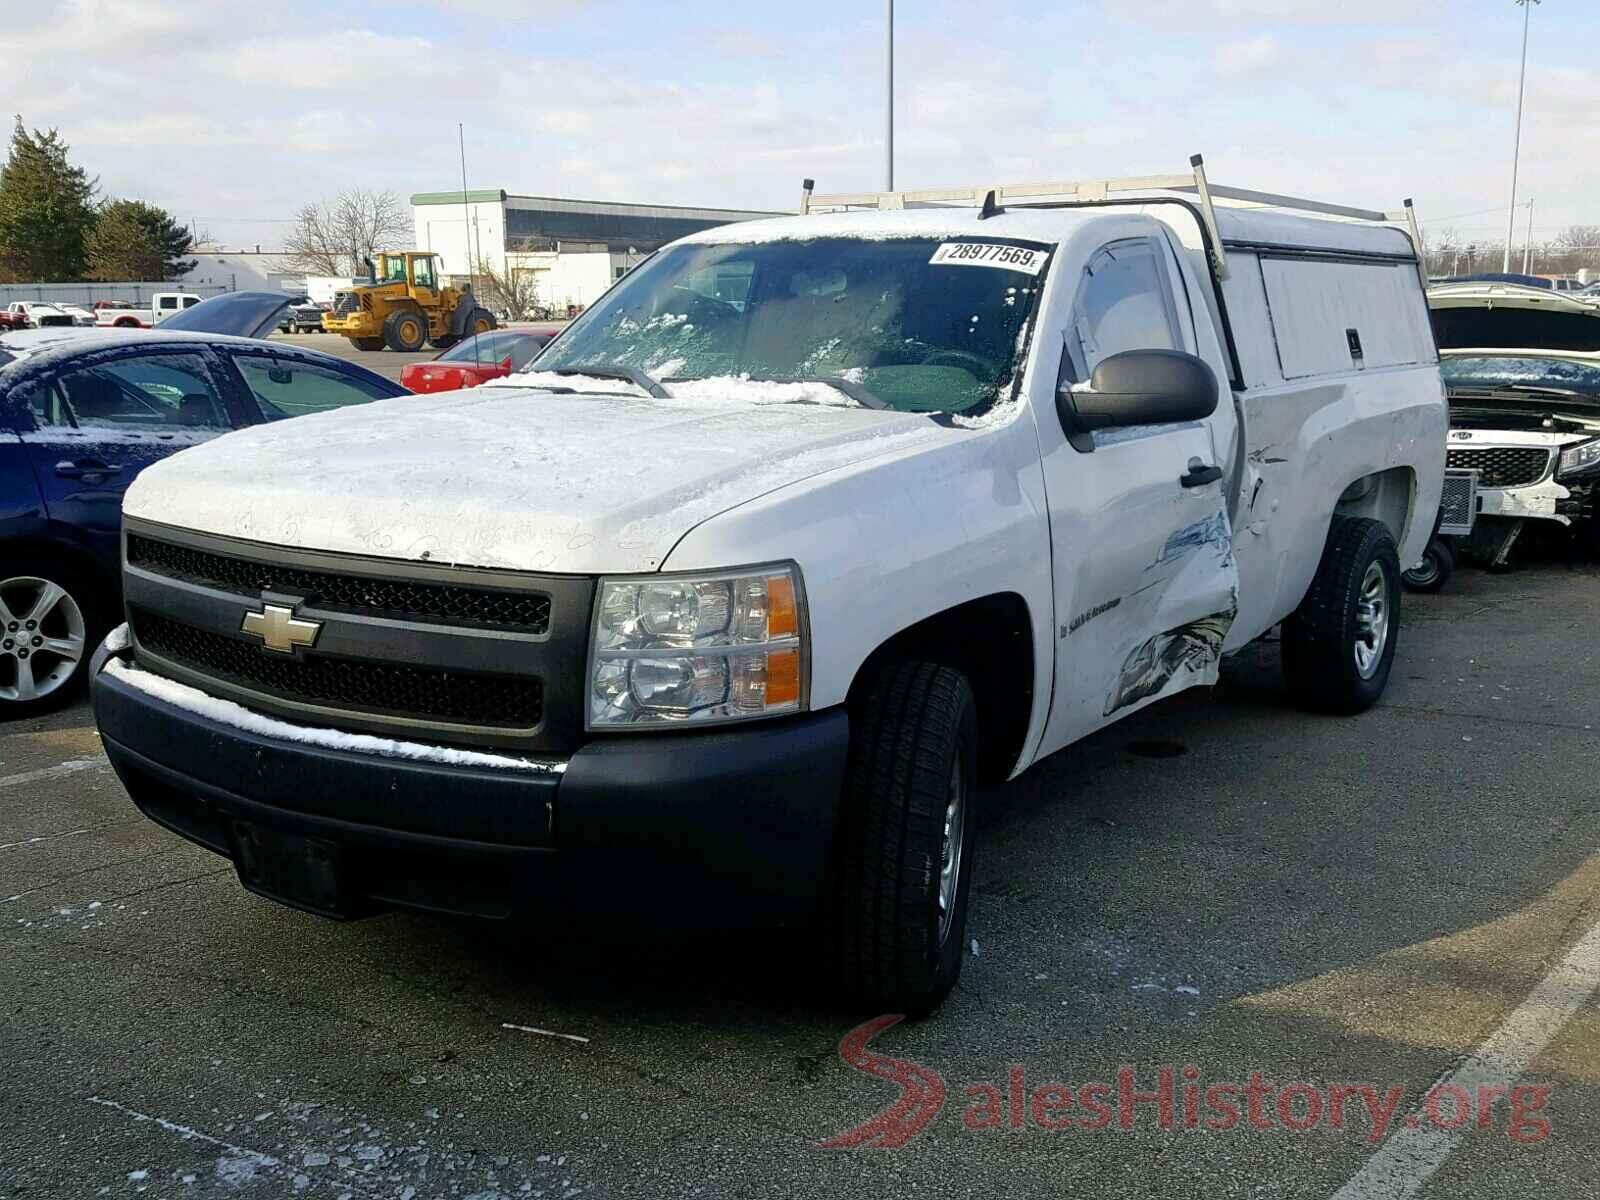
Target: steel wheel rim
[(1424, 572), (43, 638), (955, 820), (1372, 620)]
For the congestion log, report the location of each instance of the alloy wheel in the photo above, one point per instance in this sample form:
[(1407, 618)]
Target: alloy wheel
[(43, 637)]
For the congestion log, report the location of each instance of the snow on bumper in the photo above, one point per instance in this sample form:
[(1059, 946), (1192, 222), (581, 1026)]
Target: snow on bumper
[(710, 829)]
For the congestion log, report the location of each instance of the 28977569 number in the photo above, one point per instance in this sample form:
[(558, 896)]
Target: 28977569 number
[(989, 254)]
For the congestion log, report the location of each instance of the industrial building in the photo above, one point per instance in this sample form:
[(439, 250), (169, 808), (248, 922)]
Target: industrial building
[(577, 248)]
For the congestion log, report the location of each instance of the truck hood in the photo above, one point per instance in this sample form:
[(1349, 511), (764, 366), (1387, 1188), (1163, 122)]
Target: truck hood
[(511, 478)]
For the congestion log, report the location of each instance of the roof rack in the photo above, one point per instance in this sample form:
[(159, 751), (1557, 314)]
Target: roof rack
[(1194, 183)]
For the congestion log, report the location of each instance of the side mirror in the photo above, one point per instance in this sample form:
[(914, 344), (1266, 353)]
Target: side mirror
[(282, 376), (1140, 387), (505, 363)]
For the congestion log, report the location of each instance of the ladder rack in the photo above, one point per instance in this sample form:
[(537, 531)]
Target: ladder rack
[(1194, 183)]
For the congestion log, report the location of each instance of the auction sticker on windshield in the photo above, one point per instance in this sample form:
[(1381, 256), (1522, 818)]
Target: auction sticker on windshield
[(989, 254)]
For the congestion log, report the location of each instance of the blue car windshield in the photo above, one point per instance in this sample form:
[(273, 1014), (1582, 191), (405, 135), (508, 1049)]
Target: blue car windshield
[(1512, 372), (914, 324)]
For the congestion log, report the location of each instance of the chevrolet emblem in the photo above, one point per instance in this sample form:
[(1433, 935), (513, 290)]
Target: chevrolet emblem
[(280, 629)]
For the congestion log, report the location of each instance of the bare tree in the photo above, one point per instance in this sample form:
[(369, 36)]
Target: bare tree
[(333, 238), (513, 293)]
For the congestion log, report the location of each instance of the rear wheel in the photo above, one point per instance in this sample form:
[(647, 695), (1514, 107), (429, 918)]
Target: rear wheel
[(49, 625), (406, 329), (1338, 646), (1434, 571), (367, 343), (897, 927)]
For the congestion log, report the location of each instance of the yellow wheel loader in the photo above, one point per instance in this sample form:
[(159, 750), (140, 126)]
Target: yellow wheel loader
[(404, 307)]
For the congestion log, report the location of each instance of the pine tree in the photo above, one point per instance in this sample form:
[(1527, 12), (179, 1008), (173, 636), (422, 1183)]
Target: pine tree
[(120, 246), (46, 209), (135, 240)]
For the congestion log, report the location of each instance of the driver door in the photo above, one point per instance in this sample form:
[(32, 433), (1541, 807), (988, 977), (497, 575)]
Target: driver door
[(1145, 581)]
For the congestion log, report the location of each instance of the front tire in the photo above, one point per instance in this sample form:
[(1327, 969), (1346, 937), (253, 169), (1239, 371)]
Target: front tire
[(50, 624), (1338, 646), (367, 343), (1434, 571), (897, 927), (406, 330)]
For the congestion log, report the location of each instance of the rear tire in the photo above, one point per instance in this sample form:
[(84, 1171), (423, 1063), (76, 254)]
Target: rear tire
[(1434, 571), (898, 912), (52, 619), (406, 330), (1338, 646)]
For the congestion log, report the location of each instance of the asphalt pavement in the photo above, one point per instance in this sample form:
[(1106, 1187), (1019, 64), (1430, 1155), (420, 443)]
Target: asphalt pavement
[(1219, 885)]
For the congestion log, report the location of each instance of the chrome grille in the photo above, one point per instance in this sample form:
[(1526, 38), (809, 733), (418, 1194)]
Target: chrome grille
[(345, 303), (1502, 466)]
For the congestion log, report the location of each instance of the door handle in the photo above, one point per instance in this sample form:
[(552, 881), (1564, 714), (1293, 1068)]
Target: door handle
[(85, 467), (1198, 475)]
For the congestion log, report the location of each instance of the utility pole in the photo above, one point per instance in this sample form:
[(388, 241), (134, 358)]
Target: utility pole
[(1516, 145), (1527, 249), (888, 140)]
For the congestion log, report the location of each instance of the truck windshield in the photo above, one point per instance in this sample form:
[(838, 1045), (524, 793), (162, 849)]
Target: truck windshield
[(914, 324)]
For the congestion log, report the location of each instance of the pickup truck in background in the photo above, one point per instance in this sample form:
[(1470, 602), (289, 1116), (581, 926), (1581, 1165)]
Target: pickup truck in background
[(162, 306), (722, 613), (39, 314)]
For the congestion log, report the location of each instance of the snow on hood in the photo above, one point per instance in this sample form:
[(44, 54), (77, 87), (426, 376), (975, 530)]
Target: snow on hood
[(715, 389), (511, 478)]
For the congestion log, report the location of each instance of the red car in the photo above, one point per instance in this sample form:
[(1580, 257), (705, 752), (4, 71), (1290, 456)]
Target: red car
[(477, 360)]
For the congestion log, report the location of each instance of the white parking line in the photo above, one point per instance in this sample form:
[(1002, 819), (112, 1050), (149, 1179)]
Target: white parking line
[(66, 768), (46, 837), (1408, 1159)]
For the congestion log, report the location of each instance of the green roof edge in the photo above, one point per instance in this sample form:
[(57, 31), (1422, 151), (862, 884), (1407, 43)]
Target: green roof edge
[(477, 196)]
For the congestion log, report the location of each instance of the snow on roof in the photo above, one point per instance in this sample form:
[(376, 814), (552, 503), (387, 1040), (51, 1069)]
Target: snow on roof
[(1045, 225), (1256, 225)]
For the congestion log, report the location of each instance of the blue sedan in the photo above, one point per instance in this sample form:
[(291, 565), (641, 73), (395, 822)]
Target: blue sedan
[(83, 411)]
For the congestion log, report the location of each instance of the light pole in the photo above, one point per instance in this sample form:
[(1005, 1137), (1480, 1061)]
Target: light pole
[(888, 104), (1516, 145)]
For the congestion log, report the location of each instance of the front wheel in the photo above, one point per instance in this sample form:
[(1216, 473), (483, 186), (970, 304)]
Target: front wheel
[(1434, 571), (367, 343), (898, 917), (48, 629), (1338, 646)]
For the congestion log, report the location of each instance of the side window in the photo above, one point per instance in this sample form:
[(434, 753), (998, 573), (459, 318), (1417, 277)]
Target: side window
[(422, 272), (1124, 303), (287, 388), (143, 392)]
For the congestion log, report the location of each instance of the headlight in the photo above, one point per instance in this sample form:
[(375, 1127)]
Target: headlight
[(669, 649), (1585, 456)]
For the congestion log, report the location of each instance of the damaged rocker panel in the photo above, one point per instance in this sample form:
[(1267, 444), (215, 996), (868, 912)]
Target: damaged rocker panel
[(1194, 647)]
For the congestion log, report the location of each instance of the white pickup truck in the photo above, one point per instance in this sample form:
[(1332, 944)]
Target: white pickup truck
[(162, 306), (723, 610)]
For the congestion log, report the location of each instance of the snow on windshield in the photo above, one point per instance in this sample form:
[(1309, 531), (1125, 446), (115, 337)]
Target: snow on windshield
[(914, 324)]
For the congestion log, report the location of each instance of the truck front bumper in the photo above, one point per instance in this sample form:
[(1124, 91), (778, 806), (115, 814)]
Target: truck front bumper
[(711, 830)]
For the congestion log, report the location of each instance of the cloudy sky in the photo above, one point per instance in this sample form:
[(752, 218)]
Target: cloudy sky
[(233, 114)]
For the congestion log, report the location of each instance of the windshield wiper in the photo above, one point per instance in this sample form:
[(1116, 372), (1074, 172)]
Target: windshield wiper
[(855, 391), (627, 374)]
